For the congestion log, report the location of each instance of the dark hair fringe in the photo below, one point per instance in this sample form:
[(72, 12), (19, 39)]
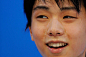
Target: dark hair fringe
[(28, 6)]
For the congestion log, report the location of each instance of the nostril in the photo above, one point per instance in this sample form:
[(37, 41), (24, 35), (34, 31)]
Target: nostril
[(54, 34), (50, 33), (58, 33)]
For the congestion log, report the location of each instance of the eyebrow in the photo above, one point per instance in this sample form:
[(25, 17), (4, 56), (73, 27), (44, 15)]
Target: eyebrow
[(68, 8), (47, 8), (41, 7)]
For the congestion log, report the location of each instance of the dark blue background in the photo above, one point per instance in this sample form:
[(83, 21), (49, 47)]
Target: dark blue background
[(14, 40)]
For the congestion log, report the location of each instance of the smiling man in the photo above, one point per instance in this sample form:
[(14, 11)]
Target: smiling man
[(58, 27)]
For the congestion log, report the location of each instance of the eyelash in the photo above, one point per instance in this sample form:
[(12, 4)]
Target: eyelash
[(68, 17), (42, 16)]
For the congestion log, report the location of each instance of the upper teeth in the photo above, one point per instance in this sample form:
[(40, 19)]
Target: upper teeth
[(57, 44)]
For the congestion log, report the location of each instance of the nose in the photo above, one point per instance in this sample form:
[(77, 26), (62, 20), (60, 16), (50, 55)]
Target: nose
[(55, 28)]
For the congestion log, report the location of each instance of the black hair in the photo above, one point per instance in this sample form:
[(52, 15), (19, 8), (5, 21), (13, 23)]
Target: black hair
[(28, 6)]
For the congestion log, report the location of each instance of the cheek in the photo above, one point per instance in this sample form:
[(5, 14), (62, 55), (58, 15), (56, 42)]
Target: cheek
[(38, 32), (77, 37)]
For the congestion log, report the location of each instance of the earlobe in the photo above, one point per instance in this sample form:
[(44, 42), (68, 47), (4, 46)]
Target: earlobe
[(31, 34)]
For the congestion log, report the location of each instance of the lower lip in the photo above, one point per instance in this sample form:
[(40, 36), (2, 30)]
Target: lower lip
[(59, 50)]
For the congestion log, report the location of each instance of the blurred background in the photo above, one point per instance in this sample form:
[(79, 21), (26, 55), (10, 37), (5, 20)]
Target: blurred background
[(14, 40)]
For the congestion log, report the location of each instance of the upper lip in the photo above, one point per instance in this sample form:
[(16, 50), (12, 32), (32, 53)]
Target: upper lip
[(53, 41), (56, 42)]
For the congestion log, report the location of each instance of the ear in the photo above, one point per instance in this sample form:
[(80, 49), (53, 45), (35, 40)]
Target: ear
[(31, 34)]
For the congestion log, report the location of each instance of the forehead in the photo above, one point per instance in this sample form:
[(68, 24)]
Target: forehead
[(59, 3), (53, 5)]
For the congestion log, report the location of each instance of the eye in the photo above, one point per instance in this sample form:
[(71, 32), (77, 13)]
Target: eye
[(69, 17), (42, 16)]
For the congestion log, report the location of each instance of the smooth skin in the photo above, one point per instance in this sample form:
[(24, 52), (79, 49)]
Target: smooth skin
[(64, 25)]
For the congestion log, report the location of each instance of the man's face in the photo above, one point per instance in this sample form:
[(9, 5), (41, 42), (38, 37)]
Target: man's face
[(58, 32)]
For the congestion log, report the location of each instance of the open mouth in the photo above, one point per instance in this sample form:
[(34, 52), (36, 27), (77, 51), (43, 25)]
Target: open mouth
[(56, 45)]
